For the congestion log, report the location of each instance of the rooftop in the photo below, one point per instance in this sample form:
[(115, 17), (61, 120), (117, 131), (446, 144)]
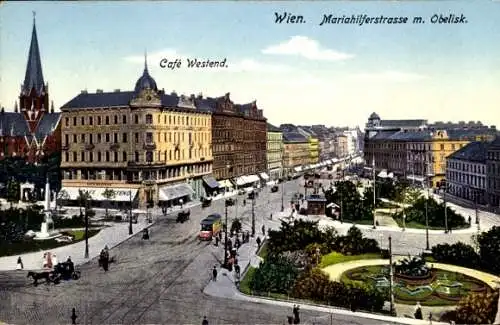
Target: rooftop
[(474, 151), (272, 128), (293, 137)]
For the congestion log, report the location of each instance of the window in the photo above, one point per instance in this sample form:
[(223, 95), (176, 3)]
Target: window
[(165, 119), (91, 156), (149, 156), (66, 121), (136, 158), (99, 120), (124, 137), (83, 137), (99, 156), (442, 146), (124, 156), (74, 121), (124, 119), (107, 120), (149, 137), (115, 156), (136, 119), (74, 156), (107, 137), (99, 138), (187, 120), (115, 137), (149, 119), (107, 156), (136, 136), (91, 138), (83, 120), (66, 156), (91, 120), (82, 156), (66, 139)]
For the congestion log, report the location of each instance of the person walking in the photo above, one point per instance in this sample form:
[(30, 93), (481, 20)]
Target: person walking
[(214, 273), (73, 316), (263, 230), (205, 321), (20, 265), (258, 242)]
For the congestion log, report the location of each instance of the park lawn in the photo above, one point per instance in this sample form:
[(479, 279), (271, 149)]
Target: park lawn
[(417, 225), (263, 251), (247, 279), (42, 245), (335, 258)]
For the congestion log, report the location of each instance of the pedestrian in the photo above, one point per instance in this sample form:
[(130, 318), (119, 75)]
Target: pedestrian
[(258, 242), (470, 220), (296, 316), (71, 266), (216, 241), (271, 217), (214, 273), (237, 268), (263, 230), (205, 321), (418, 311), (244, 202), (73, 316), (20, 265)]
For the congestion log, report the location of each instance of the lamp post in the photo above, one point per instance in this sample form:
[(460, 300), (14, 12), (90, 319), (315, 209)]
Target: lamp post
[(445, 209), (391, 274), (253, 214), (282, 196), (130, 231), (427, 246), (374, 194), (476, 210), (225, 233), (86, 227)]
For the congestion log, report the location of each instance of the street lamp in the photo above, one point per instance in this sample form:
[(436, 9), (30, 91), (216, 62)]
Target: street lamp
[(253, 214), (227, 203), (374, 194), (282, 196), (445, 209), (130, 232)]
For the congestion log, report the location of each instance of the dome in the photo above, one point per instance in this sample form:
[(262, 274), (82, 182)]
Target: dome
[(374, 116), (145, 81)]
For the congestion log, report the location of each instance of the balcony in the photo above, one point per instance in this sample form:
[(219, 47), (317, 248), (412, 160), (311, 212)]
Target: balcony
[(89, 146), (149, 145), (114, 146)]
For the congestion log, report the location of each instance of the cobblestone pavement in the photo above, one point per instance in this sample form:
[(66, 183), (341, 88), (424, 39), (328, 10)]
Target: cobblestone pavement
[(155, 281)]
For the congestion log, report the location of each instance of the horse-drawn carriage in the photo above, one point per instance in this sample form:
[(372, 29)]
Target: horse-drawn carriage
[(183, 216), (206, 202), (62, 271)]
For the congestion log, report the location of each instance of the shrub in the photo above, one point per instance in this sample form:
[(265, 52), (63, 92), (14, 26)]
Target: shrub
[(489, 249), (73, 222), (457, 254), (353, 243), (477, 308), (276, 274)]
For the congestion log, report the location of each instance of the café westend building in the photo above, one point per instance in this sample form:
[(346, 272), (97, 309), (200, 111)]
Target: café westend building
[(145, 145)]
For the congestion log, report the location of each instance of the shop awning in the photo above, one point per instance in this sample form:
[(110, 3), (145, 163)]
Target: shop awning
[(271, 183), (252, 178), (226, 183), (173, 192), (297, 169), (242, 180), (382, 174), (96, 193), (264, 176), (210, 181), (416, 178)]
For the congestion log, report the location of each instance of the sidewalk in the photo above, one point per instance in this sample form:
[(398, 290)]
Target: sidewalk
[(225, 287), (110, 236)]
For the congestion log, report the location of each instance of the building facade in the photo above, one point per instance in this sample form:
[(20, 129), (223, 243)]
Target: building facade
[(341, 145), (493, 174), (154, 146), (239, 134), (466, 172), (296, 152), (31, 131), (274, 152)]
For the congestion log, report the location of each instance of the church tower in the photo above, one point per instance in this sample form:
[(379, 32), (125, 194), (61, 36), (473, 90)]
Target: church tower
[(34, 97)]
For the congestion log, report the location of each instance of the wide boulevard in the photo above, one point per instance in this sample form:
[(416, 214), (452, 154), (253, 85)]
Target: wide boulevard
[(159, 281)]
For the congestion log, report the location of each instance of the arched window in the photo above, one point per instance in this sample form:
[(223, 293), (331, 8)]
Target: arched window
[(149, 119), (149, 156)]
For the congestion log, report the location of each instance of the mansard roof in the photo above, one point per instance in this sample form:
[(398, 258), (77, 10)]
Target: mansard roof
[(294, 137), (474, 151), (272, 128), (13, 124), (34, 75)]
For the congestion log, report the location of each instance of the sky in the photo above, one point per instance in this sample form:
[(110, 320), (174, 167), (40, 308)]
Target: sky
[(302, 73)]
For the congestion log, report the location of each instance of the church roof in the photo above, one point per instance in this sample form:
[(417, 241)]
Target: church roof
[(145, 81), (13, 124), (47, 125), (34, 75)]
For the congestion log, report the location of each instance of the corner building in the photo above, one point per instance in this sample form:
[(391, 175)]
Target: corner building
[(146, 145)]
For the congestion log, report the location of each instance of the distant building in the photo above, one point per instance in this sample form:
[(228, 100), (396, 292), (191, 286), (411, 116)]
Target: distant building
[(493, 173), (274, 152), (31, 131), (296, 152), (466, 172)]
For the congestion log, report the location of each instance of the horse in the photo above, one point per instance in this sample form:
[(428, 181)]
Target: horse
[(37, 276)]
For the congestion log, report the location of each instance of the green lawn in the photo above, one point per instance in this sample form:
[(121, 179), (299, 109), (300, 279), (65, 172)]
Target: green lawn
[(264, 251), (417, 225), (42, 245), (335, 258), (247, 279)]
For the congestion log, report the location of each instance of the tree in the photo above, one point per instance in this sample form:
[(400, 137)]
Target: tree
[(411, 195), (83, 200), (276, 274), (62, 197), (109, 194), (477, 308), (347, 196)]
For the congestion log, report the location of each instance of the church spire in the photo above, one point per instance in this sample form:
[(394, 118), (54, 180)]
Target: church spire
[(146, 61), (34, 75)]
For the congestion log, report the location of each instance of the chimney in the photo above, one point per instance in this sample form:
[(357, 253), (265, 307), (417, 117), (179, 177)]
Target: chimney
[(3, 110), (84, 92), (117, 90), (52, 106), (192, 97), (99, 91), (173, 93), (200, 95)]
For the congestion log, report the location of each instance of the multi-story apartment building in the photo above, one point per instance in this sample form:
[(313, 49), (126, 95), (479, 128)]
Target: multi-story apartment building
[(296, 153), (341, 145), (239, 134), (314, 146), (410, 149), (466, 172), (274, 152), (144, 144), (31, 131), (493, 173)]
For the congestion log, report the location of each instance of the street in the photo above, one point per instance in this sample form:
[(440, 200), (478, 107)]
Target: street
[(155, 281)]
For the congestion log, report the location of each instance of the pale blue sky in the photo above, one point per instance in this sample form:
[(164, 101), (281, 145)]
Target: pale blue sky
[(331, 74)]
